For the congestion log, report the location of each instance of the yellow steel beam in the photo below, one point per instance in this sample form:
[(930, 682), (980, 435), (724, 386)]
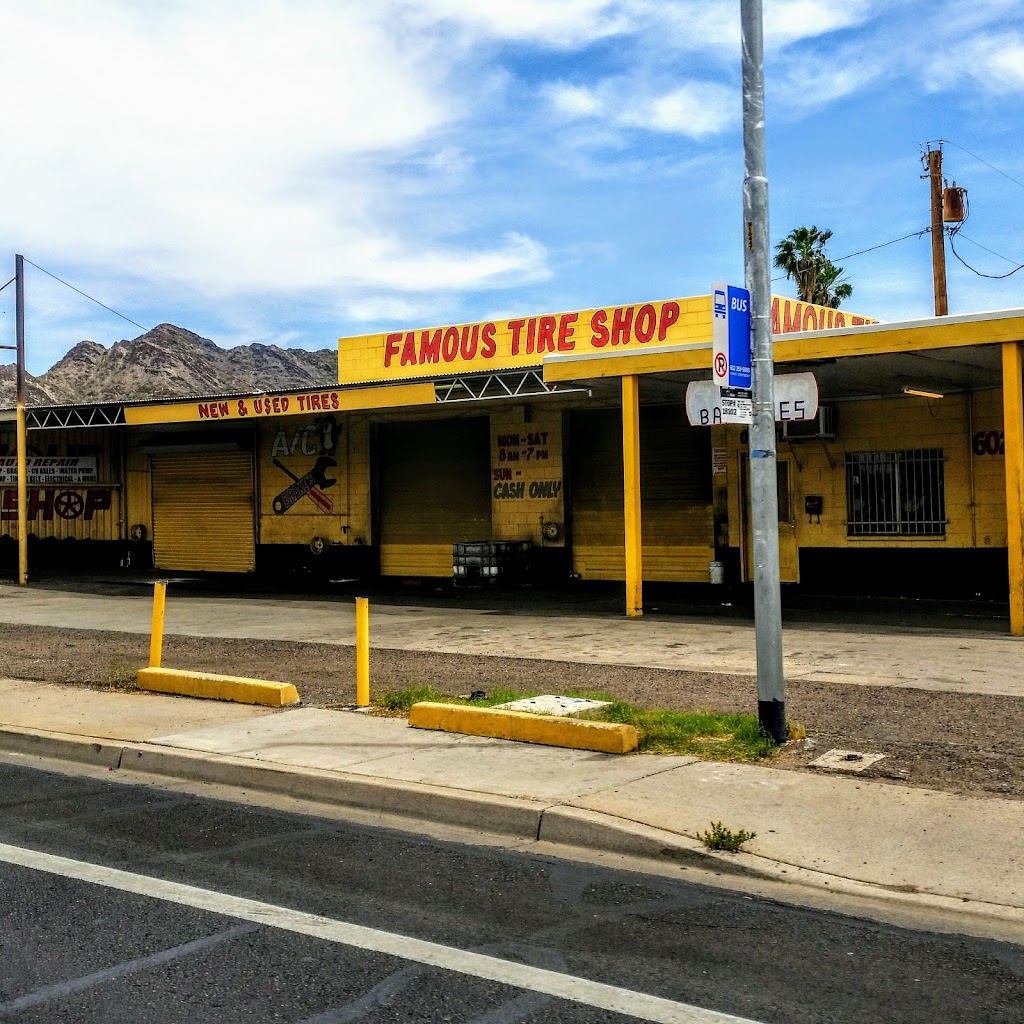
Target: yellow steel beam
[(302, 403), (631, 494), (1013, 428), (869, 339)]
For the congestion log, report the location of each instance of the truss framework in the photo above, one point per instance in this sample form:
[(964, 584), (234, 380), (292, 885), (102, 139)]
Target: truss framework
[(486, 387), (75, 416)]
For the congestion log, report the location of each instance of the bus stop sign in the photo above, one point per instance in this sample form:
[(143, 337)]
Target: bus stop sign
[(730, 334)]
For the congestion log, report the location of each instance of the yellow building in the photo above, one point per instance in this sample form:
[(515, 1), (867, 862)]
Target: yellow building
[(515, 431)]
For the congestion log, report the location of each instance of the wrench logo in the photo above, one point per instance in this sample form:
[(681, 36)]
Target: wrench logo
[(312, 484)]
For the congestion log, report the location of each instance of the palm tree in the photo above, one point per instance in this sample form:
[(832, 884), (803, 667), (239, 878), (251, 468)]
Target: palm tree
[(801, 254)]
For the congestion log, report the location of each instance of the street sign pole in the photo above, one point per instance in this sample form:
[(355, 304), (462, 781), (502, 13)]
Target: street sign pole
[(771, 701)]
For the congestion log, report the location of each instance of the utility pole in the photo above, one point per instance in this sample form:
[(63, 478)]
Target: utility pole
[(764, 498), (938, 231), (19, 299)]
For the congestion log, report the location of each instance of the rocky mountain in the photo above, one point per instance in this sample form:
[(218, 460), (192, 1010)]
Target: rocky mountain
[(170, 362)]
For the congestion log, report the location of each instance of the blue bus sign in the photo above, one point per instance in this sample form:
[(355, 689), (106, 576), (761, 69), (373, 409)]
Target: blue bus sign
[(730, 333)]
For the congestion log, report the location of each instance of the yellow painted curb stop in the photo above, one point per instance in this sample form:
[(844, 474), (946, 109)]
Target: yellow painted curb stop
[(207, 684), (608, 737)]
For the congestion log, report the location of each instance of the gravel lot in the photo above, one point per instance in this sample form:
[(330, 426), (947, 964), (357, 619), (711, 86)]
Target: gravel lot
[(966, 743)]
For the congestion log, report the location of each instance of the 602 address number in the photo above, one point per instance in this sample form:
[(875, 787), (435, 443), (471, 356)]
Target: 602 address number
[(992, 442)]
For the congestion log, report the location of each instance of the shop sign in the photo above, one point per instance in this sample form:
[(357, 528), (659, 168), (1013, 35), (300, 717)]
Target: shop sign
[(796, 398), (53, 503), (790, 316), (50, 469)]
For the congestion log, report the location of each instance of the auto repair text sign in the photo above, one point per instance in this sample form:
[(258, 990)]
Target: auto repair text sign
[(730, 334)]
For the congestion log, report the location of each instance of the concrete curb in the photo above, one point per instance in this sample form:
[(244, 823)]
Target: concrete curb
[(63, 746), (519, 819), (522, 819), (526, 727), (217, 687)]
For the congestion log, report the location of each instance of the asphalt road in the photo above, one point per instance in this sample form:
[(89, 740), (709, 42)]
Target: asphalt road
[(165, 930)]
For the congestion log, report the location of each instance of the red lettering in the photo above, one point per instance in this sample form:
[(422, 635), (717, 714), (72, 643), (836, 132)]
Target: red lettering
[(96, 501), (257, 405), (840, 319), (430, 346), (9, 510), (622, 318), (469, 341), (285, 402), (776, 325), (516, 327), (531, 335), (450, 344), (488, 348), (302, 402), (242, 411), (598, 325), (546, 334), (566, 331), (334, 400), (810, 317), (409, 350), (35, 506), (391, 348), (791, 317), (669, 315), (204, 411), (314, 402), (856, 321), (275, 404), (646, 321)]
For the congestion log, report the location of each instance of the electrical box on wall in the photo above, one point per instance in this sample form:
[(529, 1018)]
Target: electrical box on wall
[(822, 426)]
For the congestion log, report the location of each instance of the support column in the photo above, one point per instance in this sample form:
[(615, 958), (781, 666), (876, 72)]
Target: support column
[(631, 494), (1013, 433)]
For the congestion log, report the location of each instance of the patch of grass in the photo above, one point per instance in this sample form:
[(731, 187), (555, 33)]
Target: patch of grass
[(718, 837), (118, 677), (705, 734)]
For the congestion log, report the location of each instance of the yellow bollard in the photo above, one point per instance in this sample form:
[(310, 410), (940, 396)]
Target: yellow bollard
[(362, 652), (156, 637)]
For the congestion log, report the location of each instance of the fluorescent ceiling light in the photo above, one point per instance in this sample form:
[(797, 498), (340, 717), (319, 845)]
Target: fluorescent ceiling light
[(920, 393)]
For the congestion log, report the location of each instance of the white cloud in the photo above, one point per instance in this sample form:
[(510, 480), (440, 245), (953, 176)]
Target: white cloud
[(994, 61), (694, 109)]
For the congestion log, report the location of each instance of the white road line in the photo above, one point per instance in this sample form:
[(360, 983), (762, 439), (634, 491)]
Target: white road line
[(476, 965), (62, 989)]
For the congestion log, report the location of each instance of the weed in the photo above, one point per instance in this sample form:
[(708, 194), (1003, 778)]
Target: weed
[(718, 837), (118, 677)]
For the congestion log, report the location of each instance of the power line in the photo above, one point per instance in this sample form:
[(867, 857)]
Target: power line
[(881, 245), (985, 162), (85, 295), (992, 277), (12, 280), (960, 234)]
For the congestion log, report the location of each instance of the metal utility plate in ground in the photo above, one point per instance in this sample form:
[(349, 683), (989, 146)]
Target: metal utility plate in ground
[(846, 760), (551, 704)]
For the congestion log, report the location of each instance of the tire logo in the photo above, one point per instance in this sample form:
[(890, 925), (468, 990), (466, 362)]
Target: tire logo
[(68, 505)]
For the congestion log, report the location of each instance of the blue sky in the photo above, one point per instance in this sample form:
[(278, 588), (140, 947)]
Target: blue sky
[(292, 172)]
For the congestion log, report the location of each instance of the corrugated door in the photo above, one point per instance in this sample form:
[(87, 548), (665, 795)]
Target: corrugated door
[(675, 493), (203, 512), (433, 491)]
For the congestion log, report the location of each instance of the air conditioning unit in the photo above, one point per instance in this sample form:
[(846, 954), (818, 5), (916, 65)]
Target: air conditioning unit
[(822, 426)]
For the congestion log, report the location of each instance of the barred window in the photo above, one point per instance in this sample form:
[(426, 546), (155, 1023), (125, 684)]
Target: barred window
[(899, 494)]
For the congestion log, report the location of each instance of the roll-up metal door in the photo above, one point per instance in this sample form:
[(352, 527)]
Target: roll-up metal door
[(203, 515), (433, 492), (675, 494)]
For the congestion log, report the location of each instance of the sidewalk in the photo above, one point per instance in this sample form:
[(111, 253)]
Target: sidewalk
[(950, 660), (839, 833)]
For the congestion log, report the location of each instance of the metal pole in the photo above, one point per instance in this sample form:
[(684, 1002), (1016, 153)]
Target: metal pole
[(938, 233), (362, 652), (771, 700), (22, 439), (156, 632)]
